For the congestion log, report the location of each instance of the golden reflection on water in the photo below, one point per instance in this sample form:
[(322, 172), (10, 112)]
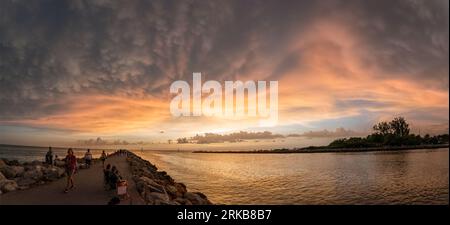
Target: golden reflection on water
[(404, 177)]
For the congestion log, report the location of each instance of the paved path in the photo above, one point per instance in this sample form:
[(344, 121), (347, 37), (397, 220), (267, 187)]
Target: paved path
[(88, 189)]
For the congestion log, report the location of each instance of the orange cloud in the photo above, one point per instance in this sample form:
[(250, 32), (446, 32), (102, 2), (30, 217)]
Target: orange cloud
[(102, 114)]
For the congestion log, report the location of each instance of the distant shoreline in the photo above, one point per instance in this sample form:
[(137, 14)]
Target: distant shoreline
[(54, 147), (331, 150)]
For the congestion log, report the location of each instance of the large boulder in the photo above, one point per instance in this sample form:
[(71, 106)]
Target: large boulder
[(60, 163), (53, 173), (13, 162), (35, 173), (25, 182), (173, 192), (155, 198), (7, 172), (182, 201), (37, 163), (164, 178), (18, 170), (12, 171), (8, 185), (2, 163), (147, 173), (181, 187), (148, 185), (197, 198), (176, 190)]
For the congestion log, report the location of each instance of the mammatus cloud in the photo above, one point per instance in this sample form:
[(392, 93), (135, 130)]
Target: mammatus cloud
[(105, 67)]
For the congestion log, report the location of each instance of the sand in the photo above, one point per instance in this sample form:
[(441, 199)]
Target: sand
[(89, 189)]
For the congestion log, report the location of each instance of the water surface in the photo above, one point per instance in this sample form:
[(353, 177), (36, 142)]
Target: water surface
[(403, 177)]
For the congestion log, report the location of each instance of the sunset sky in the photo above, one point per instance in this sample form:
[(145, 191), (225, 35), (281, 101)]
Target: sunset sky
[(75, 70)]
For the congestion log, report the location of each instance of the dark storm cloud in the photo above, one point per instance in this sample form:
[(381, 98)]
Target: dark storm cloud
[(52, 49), (407, 37)]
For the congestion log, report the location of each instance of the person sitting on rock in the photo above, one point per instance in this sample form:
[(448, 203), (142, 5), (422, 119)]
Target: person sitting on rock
[(114, 178)]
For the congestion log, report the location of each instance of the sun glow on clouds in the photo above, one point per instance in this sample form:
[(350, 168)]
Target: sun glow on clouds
[(333, 61), (101, 114)]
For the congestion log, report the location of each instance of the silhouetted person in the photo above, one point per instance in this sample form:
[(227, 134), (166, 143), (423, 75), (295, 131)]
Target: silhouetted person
[(103, 158), (114, 177), (49, 156), (107, 175), (88, 158)]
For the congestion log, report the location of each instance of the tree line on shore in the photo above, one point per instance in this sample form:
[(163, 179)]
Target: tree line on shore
[(393, 133)]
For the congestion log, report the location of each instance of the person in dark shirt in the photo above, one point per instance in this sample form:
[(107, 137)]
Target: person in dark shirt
[(49, 156), (106, 175), (114, 177)]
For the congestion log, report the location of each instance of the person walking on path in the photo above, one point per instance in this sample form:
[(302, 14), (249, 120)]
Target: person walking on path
[(88, 158), (71, 166), (103, 158)]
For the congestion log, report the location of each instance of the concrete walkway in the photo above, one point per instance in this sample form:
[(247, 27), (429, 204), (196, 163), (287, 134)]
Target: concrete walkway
[(88, 189)]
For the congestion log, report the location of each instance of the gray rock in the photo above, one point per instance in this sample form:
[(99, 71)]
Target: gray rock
[(23, 187), (60, 163), (35, 174), (173, 191), (183, 201), (19, 170), (53, 173), (150, 185), (37, 163), (147, 173), (197, 198), (7, 172), (12, 171), (181, 187), (25, 181), (12, 162), (2, 163), (8, 185), (157, 198)]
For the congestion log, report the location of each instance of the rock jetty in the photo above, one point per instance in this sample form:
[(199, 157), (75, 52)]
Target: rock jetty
[(19, 176), (158, 188)]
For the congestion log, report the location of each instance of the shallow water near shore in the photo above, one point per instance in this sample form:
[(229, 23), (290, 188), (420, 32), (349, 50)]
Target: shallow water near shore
[(397, 177)]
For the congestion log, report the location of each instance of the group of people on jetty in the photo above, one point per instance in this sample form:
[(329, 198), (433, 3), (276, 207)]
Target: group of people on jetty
[(111, 175)]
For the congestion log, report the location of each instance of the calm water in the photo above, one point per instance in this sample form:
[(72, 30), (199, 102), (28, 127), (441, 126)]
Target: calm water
[(405, 177), (27, 154)]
